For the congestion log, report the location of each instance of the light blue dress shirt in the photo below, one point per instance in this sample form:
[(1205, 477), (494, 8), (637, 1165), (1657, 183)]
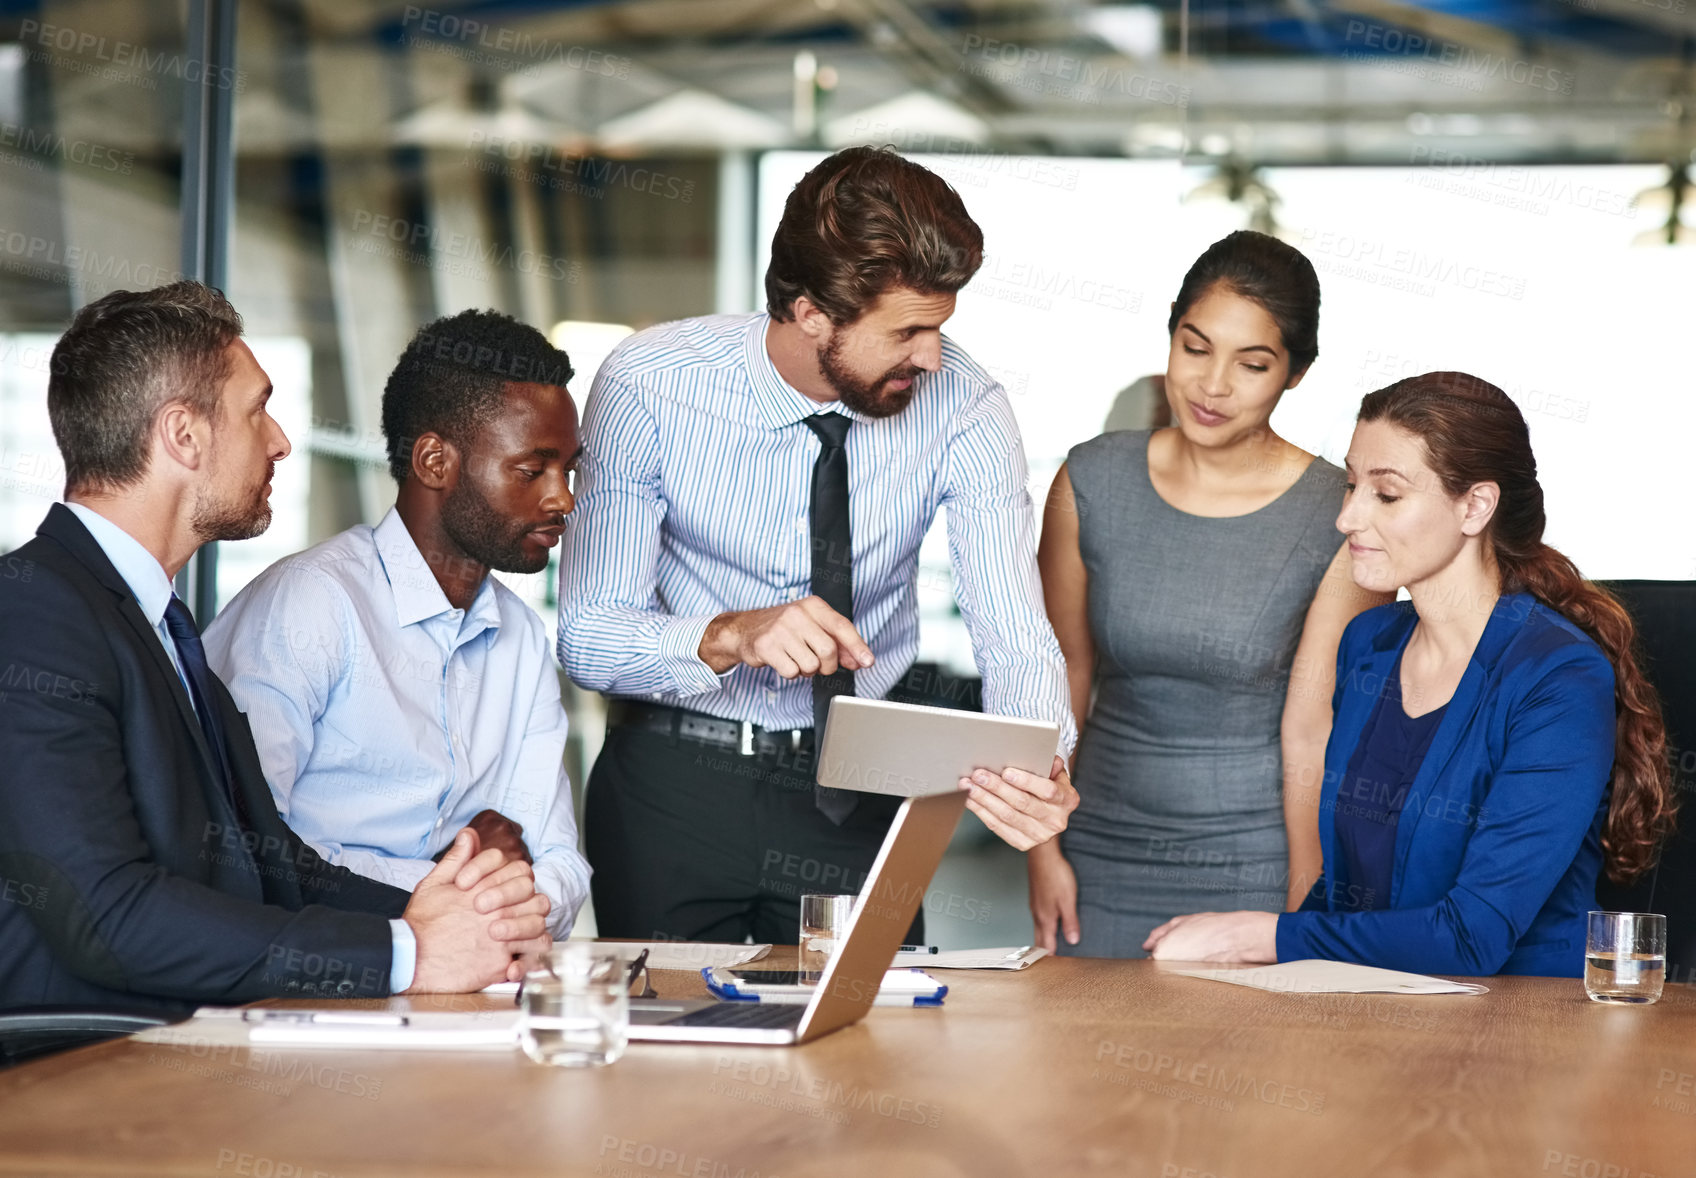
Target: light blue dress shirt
[(386, 718), (145, 576), (153, 591), (697, 489)]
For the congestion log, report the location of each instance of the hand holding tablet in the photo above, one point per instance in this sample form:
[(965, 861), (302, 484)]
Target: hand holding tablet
[(1019, 787)]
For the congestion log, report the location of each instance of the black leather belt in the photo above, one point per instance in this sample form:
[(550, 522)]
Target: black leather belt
[(736, 736)]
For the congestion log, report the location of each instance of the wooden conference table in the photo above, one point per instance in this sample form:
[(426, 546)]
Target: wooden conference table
[(1070, 1067)]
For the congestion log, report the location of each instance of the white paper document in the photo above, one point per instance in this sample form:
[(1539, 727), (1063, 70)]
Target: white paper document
[(211, 1026), (690, 955), (1015, 958), (693, 956), (1332, 977), (429, 1030)]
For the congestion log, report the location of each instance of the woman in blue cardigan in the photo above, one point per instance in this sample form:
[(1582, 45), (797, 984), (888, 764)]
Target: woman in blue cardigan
[(1494, 742)]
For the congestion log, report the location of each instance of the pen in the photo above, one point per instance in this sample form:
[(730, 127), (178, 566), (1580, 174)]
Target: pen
[(918, 949), (636, 969), (324, 1017)]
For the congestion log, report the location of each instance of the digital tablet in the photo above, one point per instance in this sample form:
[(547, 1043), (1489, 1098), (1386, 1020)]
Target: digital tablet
[(907, 750)]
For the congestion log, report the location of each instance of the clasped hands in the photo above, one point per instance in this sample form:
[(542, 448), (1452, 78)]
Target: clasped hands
[(477, 917)]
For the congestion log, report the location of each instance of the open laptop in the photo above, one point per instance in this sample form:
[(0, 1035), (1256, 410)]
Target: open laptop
[(932, 748), (905, 863)]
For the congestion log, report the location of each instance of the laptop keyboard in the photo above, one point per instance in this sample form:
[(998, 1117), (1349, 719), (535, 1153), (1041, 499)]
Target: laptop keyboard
[(743, 1015)]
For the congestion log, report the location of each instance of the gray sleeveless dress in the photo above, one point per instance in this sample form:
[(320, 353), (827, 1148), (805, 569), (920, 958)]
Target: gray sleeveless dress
[(1195, 623)]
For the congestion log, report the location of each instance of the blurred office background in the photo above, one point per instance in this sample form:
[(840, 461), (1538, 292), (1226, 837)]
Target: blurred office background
[(1499, 186)]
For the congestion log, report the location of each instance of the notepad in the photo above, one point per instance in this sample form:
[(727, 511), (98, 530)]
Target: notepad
[(1332, 977), (688, 955), (1020, 957), (429, 1030), (900, 987)]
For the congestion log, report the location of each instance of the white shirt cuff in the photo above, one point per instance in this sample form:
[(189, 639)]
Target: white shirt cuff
[(405, 958), (680, 655)]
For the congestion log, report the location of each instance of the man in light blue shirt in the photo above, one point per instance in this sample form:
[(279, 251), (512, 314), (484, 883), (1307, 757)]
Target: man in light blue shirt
[(133, 810), (756, 489), (396, 691)]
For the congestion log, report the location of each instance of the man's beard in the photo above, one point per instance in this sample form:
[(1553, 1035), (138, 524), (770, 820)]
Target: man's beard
[(485, 535), (212, 520), (866, 397)]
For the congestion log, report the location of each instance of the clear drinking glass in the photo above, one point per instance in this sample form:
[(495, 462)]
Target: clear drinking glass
[(1625, 956), (823, 920), (575, 1007)]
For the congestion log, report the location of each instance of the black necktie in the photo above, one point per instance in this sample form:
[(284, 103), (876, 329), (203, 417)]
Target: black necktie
[(193, 656), (833, 581)]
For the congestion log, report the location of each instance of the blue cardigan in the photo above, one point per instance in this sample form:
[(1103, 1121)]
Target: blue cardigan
[(1500, 840)]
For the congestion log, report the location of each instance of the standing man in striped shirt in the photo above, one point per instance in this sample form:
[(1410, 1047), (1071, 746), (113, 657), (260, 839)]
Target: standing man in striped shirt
[(746, 546)]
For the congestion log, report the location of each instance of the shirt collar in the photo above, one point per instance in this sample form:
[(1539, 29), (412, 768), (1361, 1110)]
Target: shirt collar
[(779, 403), (418, 595), (139, 568)]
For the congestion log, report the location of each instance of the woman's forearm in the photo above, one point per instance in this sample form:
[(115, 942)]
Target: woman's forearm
[(1303, 771)]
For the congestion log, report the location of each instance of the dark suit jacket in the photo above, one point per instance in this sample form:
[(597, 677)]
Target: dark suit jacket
[(126, 876), (1500, 838)]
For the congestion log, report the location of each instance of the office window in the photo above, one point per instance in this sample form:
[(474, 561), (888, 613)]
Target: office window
[(1496, 270), (90, 153)]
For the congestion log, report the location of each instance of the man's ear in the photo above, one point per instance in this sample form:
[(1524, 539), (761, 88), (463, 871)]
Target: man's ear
[(435, 461), (1480, 507), (814, 323), (182, 436)]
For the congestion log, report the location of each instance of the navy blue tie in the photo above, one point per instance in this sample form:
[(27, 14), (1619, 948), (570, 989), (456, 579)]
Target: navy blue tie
[(832, 580), (193, 657)]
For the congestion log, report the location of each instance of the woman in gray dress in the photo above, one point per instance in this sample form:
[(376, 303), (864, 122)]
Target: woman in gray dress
[(1198, 585)]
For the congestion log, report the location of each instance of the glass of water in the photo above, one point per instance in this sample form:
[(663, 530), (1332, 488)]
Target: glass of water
[(823, 921), (1625, 956), (575, 1007)]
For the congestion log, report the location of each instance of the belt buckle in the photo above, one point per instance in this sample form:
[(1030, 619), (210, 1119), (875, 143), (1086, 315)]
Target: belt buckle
[(747, 739)]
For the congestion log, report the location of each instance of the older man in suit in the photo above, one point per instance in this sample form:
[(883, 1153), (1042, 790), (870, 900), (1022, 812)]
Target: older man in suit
[(133, 810)]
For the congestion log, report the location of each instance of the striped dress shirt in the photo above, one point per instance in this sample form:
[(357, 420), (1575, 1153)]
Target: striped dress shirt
[(695, 499)]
